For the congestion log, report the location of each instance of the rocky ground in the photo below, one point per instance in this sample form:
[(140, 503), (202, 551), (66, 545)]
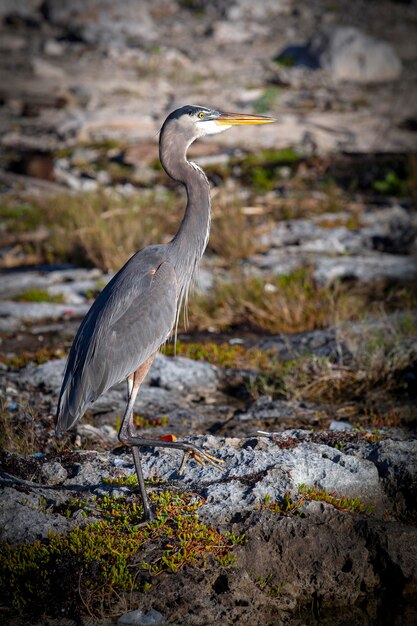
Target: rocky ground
[(299, 366)]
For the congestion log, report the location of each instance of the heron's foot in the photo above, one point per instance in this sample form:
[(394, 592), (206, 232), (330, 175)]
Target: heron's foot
[(201, 457)]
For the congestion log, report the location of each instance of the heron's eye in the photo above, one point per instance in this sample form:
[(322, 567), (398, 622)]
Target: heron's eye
[(201, 115)]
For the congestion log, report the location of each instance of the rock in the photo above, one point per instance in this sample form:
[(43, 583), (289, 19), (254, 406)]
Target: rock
[(266, 409), (54, 48), (14, 314), (348, 54), (253, 11), (351, 55), (71, 282), (392, 229), (110, 123), (25, 518), (53, 473), (44, 69), (367, 268), (26, 9), (141, 618), (321, 343), (336, 426), (310, 237), (332, 470), (183, 374), (396, 462), (226, 32), (11, 43), (127, 23)]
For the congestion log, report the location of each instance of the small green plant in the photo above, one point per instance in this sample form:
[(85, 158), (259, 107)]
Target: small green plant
[(262, 170), (39, 295), (122, 481), (286, 60), (391, 185), (265, 584), (286, 505), (341, 503), (100, 561), (266, 101)]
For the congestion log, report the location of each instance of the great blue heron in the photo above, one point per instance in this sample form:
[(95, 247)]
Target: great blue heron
[(138, 309)]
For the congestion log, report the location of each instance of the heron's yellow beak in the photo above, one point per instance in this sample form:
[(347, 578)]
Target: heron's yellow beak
[(235, 119)]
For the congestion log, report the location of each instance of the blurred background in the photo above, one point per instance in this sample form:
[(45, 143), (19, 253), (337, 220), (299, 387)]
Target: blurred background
[(309, 280)]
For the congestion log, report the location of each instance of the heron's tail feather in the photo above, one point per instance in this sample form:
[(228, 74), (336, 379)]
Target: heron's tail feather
[(72, 404)]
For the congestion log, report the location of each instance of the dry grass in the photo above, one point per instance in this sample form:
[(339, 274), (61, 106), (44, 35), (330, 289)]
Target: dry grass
[(104, 229), (99, 229), (21, 430), (384, 364), (234, 233), (290, 303)]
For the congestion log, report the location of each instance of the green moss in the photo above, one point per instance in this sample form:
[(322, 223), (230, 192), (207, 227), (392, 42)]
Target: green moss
[(39, 295), (286, 60), (109, 556), (391, 185), (267, 101), (262, 170)]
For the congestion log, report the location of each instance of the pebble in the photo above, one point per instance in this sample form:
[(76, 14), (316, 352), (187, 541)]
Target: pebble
[(53, 473), (336, 426), (140, 618)]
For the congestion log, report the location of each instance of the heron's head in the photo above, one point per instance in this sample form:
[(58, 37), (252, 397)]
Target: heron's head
[(195, 121)]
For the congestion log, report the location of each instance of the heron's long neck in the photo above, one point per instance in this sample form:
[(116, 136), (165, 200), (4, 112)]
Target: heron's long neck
[(188, 245)]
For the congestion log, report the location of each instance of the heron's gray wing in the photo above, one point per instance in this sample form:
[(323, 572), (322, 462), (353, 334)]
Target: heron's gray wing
[(137, 333), (129, 320)]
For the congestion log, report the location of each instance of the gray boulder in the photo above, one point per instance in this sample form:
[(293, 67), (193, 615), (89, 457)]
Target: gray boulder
[(347, 53), (104, 23), (351, 55), (25, 9)]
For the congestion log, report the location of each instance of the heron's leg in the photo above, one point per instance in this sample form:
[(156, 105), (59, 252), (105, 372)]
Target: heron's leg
[(134, 383), (128, 437)]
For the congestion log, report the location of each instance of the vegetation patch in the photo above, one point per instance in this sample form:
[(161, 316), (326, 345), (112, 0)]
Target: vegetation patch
[(266, 101), (261, 170), (266, 584), (110, 556), (290, 505), (294, 302), (224, 355), (99, 229), (24, 430), (383, 364), (39, 295), (18, 361), (287, 505), (352, 505)]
